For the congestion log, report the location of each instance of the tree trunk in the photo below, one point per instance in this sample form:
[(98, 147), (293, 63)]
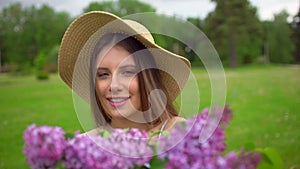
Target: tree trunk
[(232, 50), (266, 52)]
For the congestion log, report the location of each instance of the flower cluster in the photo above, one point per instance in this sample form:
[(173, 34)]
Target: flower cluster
[(191, 153), (130, 147), (121, 150), (182, 147), (44, 146), (82, 152)]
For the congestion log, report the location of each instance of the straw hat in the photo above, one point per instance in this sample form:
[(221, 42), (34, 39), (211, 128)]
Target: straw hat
[(81, 37)]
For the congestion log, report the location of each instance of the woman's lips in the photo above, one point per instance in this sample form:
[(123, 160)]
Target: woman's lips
[(118, 101)]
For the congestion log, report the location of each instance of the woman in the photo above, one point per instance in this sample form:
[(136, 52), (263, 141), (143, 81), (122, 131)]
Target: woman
[(133, 81)]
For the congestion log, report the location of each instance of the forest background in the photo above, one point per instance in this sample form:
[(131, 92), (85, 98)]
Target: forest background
[(30, 36)]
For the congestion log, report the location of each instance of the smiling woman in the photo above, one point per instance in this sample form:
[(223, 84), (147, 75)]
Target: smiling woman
[(128, 80), (121, 88)]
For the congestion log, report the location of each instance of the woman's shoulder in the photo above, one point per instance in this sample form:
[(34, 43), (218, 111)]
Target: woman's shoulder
[(179, 119), (93, 132), (175, 120), (96, 131)]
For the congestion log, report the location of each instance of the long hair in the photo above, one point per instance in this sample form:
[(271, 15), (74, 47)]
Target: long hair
[(149, 78)]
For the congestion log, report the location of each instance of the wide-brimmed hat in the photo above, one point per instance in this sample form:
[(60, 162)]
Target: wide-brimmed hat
[(79, 41)]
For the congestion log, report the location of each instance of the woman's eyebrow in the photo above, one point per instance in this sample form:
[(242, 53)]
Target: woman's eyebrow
[(102, 68), (128, 66), (120, 67)]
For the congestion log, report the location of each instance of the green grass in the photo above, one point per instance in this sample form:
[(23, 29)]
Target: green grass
[(24, 101), (265, 101), (267, 110), (266, 105)]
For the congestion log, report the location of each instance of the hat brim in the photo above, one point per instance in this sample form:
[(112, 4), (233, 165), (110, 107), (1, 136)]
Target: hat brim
[(79, 41)]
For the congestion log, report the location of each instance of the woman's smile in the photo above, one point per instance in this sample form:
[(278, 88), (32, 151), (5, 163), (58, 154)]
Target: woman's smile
[(118, 101)]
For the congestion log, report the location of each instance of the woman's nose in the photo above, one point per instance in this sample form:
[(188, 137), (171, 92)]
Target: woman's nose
[(116, 84)]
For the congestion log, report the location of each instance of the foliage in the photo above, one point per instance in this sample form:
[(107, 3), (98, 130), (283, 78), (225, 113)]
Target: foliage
[(234, 29), (120, 7), (271, 159), (40, 62), (296, 35), (51, 59), (279, 40), (11, 21), (27, 31), (42, 75)]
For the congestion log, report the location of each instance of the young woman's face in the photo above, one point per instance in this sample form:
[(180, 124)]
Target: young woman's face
[(117, 83)]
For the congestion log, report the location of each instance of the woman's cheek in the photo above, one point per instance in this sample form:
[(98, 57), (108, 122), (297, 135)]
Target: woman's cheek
[(134, 85), (101, 87)]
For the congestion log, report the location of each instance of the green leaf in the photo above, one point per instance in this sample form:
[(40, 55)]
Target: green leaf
[(154, 133), (104, 133), (157, 163), (69, 135), (126, 130), (270, 159)]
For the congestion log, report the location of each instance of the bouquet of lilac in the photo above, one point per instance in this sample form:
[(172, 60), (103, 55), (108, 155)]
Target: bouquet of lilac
[(47, 147), (44, 146), (192, 154), (121, 150)]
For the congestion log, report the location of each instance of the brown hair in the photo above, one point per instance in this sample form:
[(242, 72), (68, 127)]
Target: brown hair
[(148, 79)]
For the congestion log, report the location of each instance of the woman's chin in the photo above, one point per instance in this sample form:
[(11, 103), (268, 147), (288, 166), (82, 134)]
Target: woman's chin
[(118, 114), (136, 117)]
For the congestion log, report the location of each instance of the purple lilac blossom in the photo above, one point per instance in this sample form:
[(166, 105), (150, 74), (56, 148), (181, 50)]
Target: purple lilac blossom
[(131, 146), (81, 152), (123, 149), (190, 153), (46, 146), (43, 146)]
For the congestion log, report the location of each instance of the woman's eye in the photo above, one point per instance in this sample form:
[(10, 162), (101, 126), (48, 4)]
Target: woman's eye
[(129, 73), (102, 75)]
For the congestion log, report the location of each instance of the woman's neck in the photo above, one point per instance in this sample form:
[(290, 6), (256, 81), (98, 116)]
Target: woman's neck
[(125, 123)]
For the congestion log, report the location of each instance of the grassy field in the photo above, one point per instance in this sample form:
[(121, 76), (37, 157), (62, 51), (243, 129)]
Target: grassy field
[(265, 101)]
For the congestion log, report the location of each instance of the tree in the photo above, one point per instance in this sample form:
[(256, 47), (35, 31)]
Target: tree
[(46, 27), (296, 35), (191, 55), (234, 29), (40, 63), (120, 7), (27, 32), (11, 23), (280, 43), (266, 37)]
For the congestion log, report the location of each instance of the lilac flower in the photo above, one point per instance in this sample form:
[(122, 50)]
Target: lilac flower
[(122, 150), (190, 153), (82, 153), (130, 148), (245, 160), (43, 146)]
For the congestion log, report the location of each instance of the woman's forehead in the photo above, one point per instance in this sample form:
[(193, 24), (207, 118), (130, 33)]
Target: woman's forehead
[(115, 56)]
